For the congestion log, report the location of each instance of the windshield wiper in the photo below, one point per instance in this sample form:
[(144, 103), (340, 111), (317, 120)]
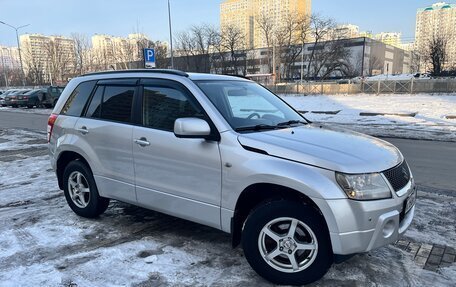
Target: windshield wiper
[(256, 128), (292, 122)]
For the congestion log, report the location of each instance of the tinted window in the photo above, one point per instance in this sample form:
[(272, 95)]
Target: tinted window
[(94, 110), (117, 103), (78, 99), (162, 106)]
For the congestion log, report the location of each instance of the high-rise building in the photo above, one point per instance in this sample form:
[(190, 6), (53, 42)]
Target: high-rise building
[(47, 57), (390, 38), (9, 58), (244, 14), (347, 31), (112, 50), (437, 20)]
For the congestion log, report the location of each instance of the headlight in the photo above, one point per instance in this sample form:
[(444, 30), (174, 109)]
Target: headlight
[(364, 186)]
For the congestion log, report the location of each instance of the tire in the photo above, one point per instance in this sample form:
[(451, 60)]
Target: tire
[(81, 191), (309, 244)]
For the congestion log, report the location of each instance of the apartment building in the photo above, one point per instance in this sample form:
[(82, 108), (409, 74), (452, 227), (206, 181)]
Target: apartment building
[(245, 15), (111, 50), (9, 58), (390, 38), (347, 31), (438, 19), (47, 58)]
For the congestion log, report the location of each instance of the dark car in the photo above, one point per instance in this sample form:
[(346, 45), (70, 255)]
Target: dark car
[(52, 95), (31, 98), (12, 99)]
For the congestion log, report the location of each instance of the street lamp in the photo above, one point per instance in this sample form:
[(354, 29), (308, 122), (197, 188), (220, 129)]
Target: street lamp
[(18, 47), (170, 35)]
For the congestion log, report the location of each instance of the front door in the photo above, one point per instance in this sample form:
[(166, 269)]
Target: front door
[(181, 177)]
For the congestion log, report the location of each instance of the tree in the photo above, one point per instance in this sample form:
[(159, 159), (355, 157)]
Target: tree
[(266, 25), (291, 37), (233, 41), (436, 53), (321, 28), (81, 52)]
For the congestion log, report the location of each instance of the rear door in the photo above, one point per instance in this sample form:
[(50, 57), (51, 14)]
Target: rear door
[(105, 134), (181, 177)]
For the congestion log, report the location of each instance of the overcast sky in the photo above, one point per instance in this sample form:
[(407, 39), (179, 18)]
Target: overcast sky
[(121, 17)]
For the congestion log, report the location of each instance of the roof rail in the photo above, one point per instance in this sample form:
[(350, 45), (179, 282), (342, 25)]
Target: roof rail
[(238, 76), (152, 71)]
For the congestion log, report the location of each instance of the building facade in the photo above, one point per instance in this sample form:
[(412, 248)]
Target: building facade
[(437, 20), (111, 50), (245, 14), (347, 31), (390, 38), (9, 58), (47, 58)]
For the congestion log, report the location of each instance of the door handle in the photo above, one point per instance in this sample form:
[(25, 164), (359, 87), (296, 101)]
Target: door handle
[(142, 142), (83, 130)]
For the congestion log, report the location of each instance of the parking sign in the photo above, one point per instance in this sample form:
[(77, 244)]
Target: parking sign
[(149, 58)]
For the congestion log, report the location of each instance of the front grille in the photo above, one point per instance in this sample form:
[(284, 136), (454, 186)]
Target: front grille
[(398, 176)]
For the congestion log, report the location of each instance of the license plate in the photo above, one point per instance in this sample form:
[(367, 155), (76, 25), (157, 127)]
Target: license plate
[(410, 201)]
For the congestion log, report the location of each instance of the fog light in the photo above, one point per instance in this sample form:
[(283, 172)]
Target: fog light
[(388, 229)]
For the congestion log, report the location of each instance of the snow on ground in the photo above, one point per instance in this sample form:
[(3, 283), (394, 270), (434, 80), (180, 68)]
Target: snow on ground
[(27, 110), (430, 121), (43, 243)]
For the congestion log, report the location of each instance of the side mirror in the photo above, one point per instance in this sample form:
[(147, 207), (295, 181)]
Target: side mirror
[(191, 128)]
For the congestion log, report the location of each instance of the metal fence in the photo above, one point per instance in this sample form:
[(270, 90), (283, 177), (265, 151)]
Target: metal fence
[(369, 87)]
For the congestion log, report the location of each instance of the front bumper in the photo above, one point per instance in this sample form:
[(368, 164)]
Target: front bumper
[(364, 226)]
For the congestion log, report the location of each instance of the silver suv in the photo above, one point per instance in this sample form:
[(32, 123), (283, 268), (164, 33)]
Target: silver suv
[(225, 152)]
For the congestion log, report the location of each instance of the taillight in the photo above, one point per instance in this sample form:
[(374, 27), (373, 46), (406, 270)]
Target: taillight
[(25, 98), (50, 127)]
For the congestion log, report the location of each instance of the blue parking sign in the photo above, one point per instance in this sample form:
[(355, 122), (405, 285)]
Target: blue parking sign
[(149, 58)]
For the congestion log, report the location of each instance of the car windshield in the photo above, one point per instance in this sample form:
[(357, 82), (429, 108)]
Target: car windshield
[(249, 107)]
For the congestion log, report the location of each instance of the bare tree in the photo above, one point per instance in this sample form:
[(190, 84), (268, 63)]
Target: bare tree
[(81, 49), (266, 25), (233, 41), (436, 53), (290, 38), (59, 59), (321, 28)]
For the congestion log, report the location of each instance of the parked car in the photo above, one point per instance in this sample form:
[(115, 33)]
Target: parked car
[(4, 94), (226, 152), (52, 95), (13, 98), (30, 98)]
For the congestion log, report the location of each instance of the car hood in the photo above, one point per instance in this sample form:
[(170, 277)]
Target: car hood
[(326, 147)]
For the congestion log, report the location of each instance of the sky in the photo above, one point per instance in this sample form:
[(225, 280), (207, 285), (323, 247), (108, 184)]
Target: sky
[(121, 17)]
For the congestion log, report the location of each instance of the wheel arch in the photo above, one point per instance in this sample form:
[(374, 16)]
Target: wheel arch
[(64, 159), (258, 194)]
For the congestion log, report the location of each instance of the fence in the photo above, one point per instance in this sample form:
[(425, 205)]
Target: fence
[(413, 86)]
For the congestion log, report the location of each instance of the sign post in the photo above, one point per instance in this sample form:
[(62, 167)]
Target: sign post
[(149, 58)]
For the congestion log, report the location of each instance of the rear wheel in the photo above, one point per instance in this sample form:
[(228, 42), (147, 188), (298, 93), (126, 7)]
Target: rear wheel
[(287, 243), (81, 191)]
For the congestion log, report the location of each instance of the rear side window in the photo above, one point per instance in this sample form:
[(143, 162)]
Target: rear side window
[(113, 103), (78, 99)]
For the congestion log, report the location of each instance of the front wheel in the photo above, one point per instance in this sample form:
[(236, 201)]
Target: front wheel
[(287, 243), (81, 191)]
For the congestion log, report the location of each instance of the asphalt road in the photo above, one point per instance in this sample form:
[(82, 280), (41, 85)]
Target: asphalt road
[(433, 163)]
